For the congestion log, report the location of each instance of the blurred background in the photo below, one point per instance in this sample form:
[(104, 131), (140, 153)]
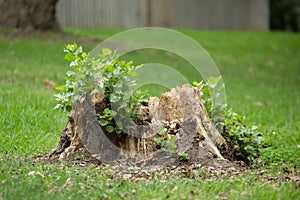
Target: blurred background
[(123, 14)]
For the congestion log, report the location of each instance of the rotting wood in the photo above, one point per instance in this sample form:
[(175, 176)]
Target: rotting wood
[(181, 111)]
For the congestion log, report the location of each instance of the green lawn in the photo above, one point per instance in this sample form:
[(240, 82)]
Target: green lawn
[(262, 75)]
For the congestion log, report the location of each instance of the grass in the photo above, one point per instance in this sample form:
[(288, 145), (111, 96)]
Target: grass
[(259, 68), (51, 182)]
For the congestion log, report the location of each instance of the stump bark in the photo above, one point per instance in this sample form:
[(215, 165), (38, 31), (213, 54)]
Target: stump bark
[(181, 112)]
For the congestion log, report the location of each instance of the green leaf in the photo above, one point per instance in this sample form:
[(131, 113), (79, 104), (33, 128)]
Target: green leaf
[(70, 57), (81, 76), (103, 122), (57, 106), (106, 51), (114, 98), (183, 156), (195, 83), (213, 81), (78, 51), (139, 66), (70, 73), (83, 54), (162, 131), (71, 47), (110, 129), (74, 64), (132, 73), (258, 140), (112, 113), (61, 87), (110, 68)]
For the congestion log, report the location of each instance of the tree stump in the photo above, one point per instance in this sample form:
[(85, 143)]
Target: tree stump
[(181, 112), (29, 15)]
